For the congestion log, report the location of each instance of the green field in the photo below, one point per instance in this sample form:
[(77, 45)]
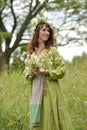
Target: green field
[(14, 97)]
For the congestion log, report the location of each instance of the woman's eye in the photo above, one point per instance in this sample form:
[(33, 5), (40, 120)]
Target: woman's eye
[(44, 29), (48, 30)]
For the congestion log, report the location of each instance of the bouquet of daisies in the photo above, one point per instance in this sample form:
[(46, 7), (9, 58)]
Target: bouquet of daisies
[(34, 63)]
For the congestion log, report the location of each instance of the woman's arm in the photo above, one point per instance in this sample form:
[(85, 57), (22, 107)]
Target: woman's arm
[(58, 70)]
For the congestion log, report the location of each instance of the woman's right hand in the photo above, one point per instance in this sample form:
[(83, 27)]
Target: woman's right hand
[(33, 72)]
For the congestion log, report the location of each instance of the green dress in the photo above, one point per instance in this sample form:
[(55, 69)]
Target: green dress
[(54, 114)]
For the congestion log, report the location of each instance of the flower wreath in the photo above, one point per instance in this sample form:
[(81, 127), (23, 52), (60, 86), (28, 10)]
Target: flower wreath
[(41, 21)]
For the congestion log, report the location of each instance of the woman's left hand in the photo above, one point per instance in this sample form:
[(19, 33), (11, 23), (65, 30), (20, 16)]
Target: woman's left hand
[(45, 72), (38, 72)]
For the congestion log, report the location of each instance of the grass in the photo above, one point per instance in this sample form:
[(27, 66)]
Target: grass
[(74, 86), (14, 100), (14, 97)]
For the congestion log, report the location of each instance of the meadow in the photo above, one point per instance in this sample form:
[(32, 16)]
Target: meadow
[(14, 96)]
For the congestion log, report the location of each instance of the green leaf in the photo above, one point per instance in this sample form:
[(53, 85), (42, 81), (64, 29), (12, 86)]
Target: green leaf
[(5, 35)]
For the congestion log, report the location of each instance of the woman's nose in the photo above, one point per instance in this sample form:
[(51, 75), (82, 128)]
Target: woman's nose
[(47, 32)]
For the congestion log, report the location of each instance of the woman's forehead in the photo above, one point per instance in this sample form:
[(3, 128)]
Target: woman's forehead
[(44, 26)]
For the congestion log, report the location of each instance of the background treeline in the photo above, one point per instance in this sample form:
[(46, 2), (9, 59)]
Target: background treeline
[(14, 95)]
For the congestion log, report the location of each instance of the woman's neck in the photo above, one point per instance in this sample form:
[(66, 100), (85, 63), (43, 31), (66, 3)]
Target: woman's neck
[(41, 46)]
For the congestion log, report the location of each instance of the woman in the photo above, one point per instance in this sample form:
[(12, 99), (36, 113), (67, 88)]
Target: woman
[(43, 68)]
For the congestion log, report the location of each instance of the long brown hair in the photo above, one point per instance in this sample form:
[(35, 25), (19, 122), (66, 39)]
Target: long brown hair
[(34, 41)]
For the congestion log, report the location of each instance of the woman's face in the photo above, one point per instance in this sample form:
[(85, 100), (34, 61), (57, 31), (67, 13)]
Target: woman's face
[(44, 33)]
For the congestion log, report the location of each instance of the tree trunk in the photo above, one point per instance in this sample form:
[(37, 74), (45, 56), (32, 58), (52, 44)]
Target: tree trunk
[(4, 61)]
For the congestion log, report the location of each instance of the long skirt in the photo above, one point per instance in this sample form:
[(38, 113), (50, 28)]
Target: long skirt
[(54, 113)]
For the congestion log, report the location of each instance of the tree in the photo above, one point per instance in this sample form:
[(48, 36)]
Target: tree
[(19, 22), (16, 16), (74, 25)]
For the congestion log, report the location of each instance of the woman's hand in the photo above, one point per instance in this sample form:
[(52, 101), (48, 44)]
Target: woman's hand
[(33, 72), (37, 72), (45, 72)]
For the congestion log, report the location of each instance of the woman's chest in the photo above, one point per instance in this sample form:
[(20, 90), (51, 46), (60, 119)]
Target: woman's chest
[(44, 58)]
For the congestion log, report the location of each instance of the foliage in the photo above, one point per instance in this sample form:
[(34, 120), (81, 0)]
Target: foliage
[(18, 64), (14, 107), (74, 86), (4, 35)]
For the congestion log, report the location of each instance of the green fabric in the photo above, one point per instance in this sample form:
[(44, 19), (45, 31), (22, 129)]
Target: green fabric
[(35, 114), (54, 113)]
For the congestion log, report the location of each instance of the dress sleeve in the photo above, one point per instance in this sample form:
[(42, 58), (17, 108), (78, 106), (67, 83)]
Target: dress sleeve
[(58, 70)]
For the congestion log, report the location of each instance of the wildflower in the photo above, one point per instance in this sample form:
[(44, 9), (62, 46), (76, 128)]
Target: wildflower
[(85, 104)]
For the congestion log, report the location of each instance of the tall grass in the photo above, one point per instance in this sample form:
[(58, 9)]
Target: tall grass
[(74, 86), (14, 102), (14, 97)]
